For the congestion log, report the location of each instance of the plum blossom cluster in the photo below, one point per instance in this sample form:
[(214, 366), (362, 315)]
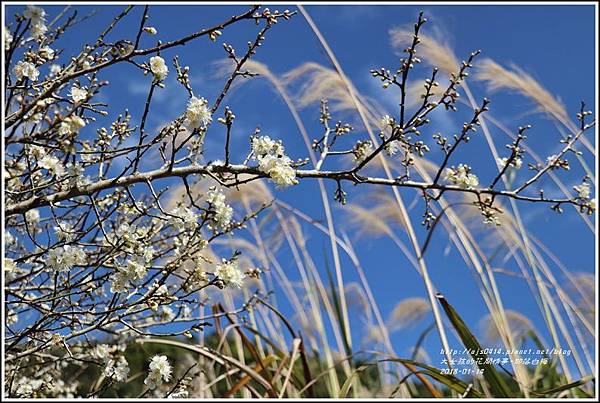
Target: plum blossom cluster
[(8, 38), (28, 388), (37, 16), (197, 114), (44, 386), (584, 194), (222, 212), (71, 125), (51, 163), (554, 161), (515, 163), (133, 241), (159, 297), (159, 68), (159, 371), (78, 93), (63, 259), (184, 218), (229, 273), (271, 158), (363, 149), (117, 369), (24, 69), (129, 273), (461, 176), (116, 366)]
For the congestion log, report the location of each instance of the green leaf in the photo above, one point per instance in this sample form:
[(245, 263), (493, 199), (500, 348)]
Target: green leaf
[(450, 381), (337, 306), (348, 383), (497, 385), (546, 393)]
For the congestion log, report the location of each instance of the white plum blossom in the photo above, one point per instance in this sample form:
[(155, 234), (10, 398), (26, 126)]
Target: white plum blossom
[(555, 162), (52, 164), (184, 217), (64, 258), (37, 151), (159, 68), (32, 216), (71, 125), (12, 317), (34, 13), (64, 231), (279, 169), (392, 147), (150, 30), (222, 211), (33, 117), (592, 204), (148, 254), (132, 272), (27, 387), (37, 16), (26, 69), (197, 114), (78, 94), (272, 160), (461, 176), (516, 163), (117, 370), (386, 121), (8, 38), (362, 150), (161, 290), (10, 268), (229, 273), (101, 351), (264, 145), (159, 372), (583, 190), (46, 52), (166, 314), (55, 69), (38, 30)]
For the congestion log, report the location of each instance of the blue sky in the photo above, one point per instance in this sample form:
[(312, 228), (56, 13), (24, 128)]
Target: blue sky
[(555, 44)]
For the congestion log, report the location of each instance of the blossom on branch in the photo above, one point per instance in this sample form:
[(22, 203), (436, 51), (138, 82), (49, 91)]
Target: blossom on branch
[(26, 69), (159, 68), (271, 158), (197, 114), (461, 176), (222, 211), (160, 371), (229, 273)]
